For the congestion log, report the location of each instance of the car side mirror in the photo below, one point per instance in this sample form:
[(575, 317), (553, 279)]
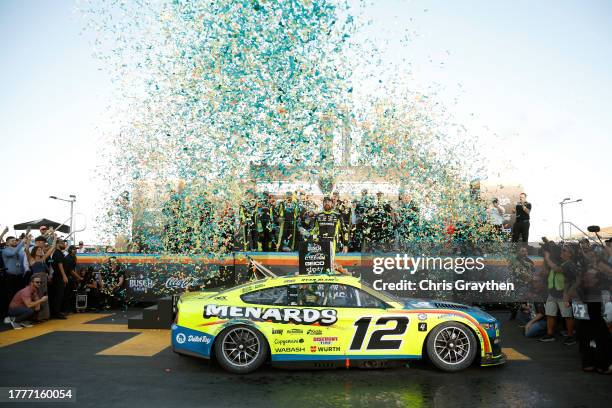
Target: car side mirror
[(593, 228)]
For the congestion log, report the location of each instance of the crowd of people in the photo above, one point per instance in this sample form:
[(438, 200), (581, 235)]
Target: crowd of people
[(40, 279), (267, 223), (578, 281)]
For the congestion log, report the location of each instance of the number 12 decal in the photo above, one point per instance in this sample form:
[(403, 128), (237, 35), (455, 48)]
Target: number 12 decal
[(376, 339)]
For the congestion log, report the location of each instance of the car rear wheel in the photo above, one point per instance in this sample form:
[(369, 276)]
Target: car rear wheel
[(241, 349), (451, 346)]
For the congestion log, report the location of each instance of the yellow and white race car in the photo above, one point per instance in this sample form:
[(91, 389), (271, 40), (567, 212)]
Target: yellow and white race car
[(330, 321)]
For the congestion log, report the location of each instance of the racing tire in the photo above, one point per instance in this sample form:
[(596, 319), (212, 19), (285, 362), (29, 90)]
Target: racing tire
[(241, 349), (451, 346)]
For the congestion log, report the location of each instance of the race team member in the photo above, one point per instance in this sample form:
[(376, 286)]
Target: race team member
[(327, 226), (247, 216), (264, 222), (288, 216), (345, 210)]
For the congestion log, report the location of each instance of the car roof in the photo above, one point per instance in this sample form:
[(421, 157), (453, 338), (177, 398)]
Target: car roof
[(314, 278)]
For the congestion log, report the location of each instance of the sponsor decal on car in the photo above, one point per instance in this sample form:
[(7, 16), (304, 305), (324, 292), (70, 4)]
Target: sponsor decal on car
[(277, 331), (325, 340), (295, 331), (324, 317), (314, 332), (313, 349), (289, 350), (284, 342), (182, 338), (328, 349), (422, 327), (422, 316)]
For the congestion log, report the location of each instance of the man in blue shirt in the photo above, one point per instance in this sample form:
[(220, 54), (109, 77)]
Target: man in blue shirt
[(13, 271)]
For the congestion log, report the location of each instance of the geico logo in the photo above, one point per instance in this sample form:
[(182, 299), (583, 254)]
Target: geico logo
[(198, 339), (284, 342), (324, 317), (314, 263)]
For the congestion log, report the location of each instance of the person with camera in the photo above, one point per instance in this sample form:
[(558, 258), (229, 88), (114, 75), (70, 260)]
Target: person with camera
[(520, 230), (496, 216), (562, 275)]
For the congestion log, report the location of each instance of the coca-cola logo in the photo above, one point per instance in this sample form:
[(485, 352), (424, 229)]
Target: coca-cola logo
[(182, 283)]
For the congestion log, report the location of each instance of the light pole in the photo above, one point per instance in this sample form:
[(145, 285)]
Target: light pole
[(71, 201), (563, 202)]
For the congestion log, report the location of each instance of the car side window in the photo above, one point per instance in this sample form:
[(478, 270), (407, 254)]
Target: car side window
[(341, 296), (270, 296), (307, 294), (364, 299)]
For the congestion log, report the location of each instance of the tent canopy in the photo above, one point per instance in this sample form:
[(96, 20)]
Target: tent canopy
[(39, 223)]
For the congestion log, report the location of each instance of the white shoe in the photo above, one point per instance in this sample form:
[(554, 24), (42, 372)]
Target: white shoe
[(15, 325), (26, 324), (7, 320)]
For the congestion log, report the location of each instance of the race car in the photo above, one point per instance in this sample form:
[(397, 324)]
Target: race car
[(327, 321)]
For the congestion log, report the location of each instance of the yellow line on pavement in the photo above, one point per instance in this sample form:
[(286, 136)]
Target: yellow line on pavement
[(514, 355), (9, 337), (146, 344)]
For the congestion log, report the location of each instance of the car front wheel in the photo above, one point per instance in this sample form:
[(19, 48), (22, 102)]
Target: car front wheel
[(241, 349), (451, 346)]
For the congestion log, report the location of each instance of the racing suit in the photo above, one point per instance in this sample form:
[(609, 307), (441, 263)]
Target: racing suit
[(328, 227), (248, 236), (288, 216), (264, 225), (345, 210)]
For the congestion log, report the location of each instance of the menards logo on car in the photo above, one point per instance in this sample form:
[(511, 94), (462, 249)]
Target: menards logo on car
[(324, 317)]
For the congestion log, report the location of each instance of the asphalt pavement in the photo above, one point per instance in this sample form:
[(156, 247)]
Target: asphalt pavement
[(546, 375)]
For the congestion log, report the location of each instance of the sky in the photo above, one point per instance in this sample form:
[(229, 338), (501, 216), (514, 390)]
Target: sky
[(532, 79)]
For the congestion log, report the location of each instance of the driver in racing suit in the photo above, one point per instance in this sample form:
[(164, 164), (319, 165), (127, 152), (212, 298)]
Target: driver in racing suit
[(328, 226)]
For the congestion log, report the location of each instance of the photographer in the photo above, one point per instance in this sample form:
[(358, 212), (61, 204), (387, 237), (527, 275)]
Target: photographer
[(561, 276), (521, 224), (496, 216)]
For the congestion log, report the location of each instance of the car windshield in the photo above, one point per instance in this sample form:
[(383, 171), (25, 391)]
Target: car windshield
[(244, 285), (387, 297)]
